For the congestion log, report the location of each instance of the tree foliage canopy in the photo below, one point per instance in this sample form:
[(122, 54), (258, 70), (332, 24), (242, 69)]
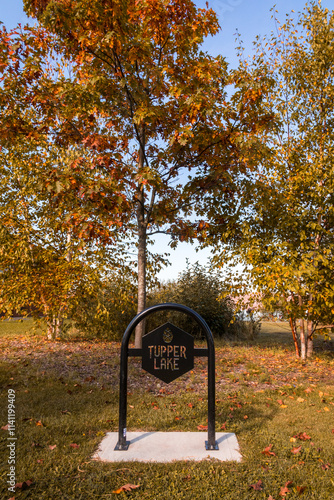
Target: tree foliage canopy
[(286, 238)]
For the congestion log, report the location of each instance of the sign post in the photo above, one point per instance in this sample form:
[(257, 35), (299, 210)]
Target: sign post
[(167, 353)]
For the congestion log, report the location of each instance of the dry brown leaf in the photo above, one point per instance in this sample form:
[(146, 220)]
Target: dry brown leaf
[(74, 445), (127, 487), (257, 486), (24, 485), (301, 489)]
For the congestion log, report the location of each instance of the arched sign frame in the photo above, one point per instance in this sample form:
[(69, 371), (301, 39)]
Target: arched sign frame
[(209, 352)]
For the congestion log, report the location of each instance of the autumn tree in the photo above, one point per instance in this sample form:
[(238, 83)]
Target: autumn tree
[(53, 242), (286, 238), (152, 105)]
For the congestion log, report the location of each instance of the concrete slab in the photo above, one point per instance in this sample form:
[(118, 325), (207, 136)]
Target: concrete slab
[(168, 447)]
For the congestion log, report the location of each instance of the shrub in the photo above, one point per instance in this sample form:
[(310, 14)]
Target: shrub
[(203, 292), (107, 312)]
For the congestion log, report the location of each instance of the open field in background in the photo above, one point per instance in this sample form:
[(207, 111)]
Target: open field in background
[(282, 411)]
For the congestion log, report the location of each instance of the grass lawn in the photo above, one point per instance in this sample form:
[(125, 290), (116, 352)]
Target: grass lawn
[(66, 399)]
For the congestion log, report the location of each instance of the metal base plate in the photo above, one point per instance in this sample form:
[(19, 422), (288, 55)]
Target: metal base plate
[(119, 447), (214, 447)]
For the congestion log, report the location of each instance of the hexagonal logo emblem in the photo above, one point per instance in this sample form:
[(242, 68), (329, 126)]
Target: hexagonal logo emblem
[(167, 352)]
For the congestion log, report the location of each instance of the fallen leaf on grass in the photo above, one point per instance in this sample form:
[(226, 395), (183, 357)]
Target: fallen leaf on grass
[(52, 446), (296, 450), (301, 489), (202, 427), (285, 488), (302, 436), (74, 445), (271, 498), (267, 451), (257, 486), (40, 460), (5, 428), (325, 466), (39, 423), (126, 487), (24, 485), (300, 400)]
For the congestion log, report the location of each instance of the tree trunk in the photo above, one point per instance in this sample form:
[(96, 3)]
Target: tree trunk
[(309, 352), (302, 332), (51, 331), (141, 304), (294, 335), (142, 242), (59, 325)]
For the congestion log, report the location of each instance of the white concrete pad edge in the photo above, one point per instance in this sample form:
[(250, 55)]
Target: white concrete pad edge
[(167, 447)]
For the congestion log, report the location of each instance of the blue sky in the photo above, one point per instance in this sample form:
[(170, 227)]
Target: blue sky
[(250, 18)]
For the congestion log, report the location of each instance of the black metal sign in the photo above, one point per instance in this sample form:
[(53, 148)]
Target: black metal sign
[(167, 353)]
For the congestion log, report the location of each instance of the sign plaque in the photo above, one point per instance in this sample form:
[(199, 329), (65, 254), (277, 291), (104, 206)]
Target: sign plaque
[(167, 352)]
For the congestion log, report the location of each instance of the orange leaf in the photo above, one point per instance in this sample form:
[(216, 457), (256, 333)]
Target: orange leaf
[(267, 451), (52, 446), (302, 436), (5, 428), (127, 487), (285, 488), (74, 445), (296, 450), (202, 427)]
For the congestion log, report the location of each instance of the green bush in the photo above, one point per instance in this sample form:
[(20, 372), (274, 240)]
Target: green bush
[(107, 312), (202, 291)]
